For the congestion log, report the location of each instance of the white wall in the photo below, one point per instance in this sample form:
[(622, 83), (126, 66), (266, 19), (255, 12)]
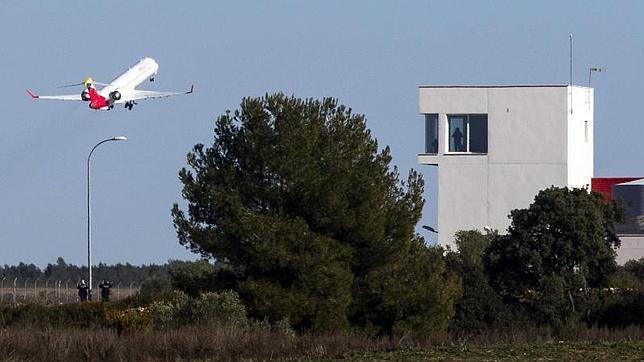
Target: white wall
[(580, 147)]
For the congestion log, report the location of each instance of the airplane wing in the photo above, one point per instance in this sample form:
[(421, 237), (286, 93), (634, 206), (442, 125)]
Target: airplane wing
[(68, 97), (137, 95)]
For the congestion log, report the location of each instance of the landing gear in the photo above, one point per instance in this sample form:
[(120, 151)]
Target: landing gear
[(152, 79), (129, 105)]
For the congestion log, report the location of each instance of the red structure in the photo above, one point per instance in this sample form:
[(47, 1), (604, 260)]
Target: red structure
[(604, 185)]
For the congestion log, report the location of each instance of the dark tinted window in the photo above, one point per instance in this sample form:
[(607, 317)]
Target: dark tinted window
[(478, 133), (431, 133)]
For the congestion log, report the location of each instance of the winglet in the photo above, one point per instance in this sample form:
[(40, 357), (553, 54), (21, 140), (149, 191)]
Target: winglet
[(32, 95), (192, 88)]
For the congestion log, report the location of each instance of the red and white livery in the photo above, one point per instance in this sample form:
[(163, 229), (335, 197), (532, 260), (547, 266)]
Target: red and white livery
[(121, 90)]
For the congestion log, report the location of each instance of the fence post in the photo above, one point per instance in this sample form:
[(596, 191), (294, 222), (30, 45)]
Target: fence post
[(24, 291), (118, 290), (47, 288), (15, 280), (2, 289), (67, 290), (36, 288)]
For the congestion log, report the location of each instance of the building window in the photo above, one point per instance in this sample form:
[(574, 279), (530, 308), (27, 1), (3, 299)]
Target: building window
[(467, 133), (431, 133)]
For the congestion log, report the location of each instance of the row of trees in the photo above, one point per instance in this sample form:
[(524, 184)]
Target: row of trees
[(308, 222), (61, 270)]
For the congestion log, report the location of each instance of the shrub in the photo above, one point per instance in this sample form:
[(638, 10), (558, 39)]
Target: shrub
[(480, 306), (618, 309), (133, 319), (155, 289), (194, 278), (84, 315), (223, 309)]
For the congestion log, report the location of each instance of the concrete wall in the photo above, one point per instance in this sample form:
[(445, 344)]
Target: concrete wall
[(580, 137), (632, 248), (529, 141)]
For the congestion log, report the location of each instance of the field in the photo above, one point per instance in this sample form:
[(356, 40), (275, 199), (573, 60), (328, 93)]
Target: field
[(555, 351), (211, 343)]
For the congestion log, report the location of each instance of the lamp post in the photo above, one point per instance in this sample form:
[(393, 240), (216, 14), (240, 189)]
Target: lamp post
[(89, 210), (430, 229), (590, 73)]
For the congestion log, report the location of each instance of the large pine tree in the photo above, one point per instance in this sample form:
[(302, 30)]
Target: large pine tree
[(312, 225)]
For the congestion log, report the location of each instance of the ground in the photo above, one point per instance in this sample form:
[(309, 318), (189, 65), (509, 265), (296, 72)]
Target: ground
[(555, 351)]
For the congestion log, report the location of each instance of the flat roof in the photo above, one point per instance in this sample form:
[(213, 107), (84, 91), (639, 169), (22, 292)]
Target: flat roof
[(501, 86), (636, 182)]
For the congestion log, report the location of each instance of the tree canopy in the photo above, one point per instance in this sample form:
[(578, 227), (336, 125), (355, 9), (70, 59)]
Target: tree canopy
[(563, 243), (312, 225)]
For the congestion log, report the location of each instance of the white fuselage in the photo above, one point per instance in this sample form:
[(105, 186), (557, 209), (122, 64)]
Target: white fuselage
[(145, 69)]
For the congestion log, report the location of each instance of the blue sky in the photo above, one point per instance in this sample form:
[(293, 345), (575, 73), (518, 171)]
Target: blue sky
[(371, 55)]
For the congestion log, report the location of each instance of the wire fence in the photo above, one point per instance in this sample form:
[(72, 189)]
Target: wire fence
[(16, 290)]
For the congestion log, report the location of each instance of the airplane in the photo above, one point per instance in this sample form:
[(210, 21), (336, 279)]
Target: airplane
[(122, 90)]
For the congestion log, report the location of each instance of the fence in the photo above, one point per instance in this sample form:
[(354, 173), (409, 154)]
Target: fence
[(16, 290)]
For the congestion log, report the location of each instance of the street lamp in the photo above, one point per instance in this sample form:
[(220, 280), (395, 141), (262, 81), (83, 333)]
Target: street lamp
[(590, 73), (89, 210), (429, 228)]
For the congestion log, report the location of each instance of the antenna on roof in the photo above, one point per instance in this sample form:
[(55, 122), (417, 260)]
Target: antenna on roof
[(570, 84), (570, 60)]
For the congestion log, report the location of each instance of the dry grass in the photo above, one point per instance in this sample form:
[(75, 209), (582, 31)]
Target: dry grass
[(210, 343), (18, 344)]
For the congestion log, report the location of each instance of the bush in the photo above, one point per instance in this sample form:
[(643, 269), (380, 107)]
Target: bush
[(481, 307), (414, 296), (155, 289), (133, 319), (194, 278), (617, 308), (84, 315), (222, 309), (175, 310)]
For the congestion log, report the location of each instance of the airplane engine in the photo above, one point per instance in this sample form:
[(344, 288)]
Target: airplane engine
[(116, 95), (85, 96)]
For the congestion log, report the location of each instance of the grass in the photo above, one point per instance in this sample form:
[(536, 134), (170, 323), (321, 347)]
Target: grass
[(607, 351), (256, 344), (18, 344)]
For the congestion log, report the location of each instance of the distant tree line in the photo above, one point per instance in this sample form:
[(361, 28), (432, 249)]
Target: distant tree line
[(61, 270)]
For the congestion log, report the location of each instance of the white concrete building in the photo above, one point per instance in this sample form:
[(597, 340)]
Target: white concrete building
[(497, 146)]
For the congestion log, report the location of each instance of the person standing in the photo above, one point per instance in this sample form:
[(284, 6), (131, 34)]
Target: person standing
[(105, 286), (83, 290), (458, 140)]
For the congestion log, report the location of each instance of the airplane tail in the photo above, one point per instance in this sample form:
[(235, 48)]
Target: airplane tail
[(88, 82)]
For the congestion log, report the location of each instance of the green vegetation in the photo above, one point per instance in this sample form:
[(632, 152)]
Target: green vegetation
[(310, 224), (555, 268), (175, 310)]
